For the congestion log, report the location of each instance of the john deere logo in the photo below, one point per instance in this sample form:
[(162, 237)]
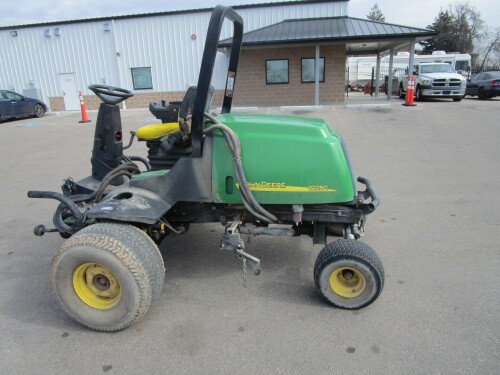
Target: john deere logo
[(266, 185), (283, 187)]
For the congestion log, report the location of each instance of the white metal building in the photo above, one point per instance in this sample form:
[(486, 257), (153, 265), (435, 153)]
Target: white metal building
[(158, 55), (60, 58)]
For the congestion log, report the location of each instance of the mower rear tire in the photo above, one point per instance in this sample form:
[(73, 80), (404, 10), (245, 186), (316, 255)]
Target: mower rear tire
[(348, 274), (107, 275)]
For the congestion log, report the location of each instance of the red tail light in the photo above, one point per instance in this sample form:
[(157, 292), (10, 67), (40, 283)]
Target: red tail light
[(494, 83)]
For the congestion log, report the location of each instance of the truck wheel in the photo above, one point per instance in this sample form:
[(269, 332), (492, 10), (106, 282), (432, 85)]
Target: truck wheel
[(481, 94), (418, 94), (107, 275), (348, 274), (401, 93), (457, 99)]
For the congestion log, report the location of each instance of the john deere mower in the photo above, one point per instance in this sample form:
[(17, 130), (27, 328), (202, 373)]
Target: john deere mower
[(255, 174)]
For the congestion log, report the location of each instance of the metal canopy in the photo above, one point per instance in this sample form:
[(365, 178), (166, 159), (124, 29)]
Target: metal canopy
[(362, 37)]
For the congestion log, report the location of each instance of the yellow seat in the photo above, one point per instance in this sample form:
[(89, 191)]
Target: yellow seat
[(155, 131)]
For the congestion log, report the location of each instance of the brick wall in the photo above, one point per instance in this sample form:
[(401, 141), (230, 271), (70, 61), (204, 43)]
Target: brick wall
[(251, 88), (56, 104), (139, 100)]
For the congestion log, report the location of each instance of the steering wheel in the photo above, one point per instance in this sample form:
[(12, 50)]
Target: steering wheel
[(110, 94)]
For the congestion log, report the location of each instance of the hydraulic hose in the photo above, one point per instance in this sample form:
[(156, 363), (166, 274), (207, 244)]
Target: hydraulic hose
[(138, 158), (59, 223), (247, 196), (105, 182), (126, 169), (66, 201), (234, 146), (121, 170)]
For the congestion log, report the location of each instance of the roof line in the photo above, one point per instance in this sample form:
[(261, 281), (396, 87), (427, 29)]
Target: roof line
[(346, 17), (166, 13), (388, 23), (421, 33), (223, 44)]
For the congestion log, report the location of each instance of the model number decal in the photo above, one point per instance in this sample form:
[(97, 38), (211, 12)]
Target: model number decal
[(319, 188)]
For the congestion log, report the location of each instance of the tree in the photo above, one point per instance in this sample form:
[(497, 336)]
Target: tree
[(376, 14), (460, 29), (490, 53), (469, 26), (445, 40)]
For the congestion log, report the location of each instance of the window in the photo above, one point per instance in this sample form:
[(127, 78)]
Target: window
[(13, 96), (309, 69), (276, 71), (462, 65), (478, 77), (141, 78)]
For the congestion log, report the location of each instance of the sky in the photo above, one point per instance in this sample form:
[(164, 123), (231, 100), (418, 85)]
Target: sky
[(418, 13)]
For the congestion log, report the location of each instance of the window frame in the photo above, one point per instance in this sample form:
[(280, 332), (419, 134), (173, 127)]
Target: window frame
[(287, 72), (301, 69), (134, 84)]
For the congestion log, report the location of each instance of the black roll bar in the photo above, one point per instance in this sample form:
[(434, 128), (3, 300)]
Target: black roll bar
[(219, 13)]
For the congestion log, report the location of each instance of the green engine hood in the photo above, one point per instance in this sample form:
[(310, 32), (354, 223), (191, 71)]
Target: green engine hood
[(286, 159)]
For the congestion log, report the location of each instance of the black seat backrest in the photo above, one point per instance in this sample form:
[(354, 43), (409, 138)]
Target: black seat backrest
[(188, 101)]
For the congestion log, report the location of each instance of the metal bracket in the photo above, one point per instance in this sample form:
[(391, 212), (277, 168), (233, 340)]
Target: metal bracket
[(252, 261), (355, 231), (231, 240), (68, 187), (319, 234)]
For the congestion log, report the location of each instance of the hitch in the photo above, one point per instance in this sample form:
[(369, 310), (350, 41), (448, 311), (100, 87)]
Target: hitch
[(232, 241), (252, 261)]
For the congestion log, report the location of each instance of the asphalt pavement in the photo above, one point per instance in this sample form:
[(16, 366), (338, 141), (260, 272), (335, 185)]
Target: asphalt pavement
[(436, 169)]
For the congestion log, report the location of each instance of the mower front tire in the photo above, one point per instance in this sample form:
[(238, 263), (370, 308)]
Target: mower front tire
[(107, 275), (348, 274)]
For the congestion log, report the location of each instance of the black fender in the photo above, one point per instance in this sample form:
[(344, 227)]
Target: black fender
[(131, 205), (147, 197)]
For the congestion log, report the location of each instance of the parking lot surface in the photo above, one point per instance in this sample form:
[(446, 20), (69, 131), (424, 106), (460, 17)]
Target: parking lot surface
[(435, 168)]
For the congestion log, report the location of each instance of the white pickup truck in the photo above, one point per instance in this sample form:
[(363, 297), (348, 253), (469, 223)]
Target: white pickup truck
[(435, 80)]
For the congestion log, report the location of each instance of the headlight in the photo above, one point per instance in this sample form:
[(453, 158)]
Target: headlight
[(427, 82)]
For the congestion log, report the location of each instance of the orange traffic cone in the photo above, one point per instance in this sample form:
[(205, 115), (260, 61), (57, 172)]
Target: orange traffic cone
[(410, 91), (84, 111)]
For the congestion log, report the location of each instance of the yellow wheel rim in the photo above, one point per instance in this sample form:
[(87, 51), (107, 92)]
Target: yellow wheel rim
[(347, 282), (97, 286)]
